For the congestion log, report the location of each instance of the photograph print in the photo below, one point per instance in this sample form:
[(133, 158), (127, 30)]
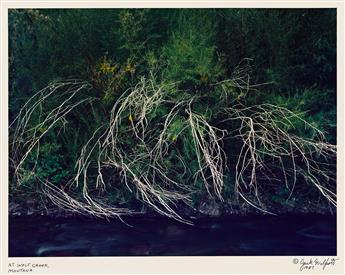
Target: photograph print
[(172, 132)]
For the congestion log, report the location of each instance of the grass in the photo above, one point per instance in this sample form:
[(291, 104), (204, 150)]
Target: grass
[(143, 143)]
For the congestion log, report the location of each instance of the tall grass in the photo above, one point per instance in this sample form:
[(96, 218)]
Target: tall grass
[(144, 139)]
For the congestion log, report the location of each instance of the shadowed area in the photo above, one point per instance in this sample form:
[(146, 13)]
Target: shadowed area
[(230, 236)]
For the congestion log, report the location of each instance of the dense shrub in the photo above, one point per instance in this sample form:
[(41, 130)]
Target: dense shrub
[(168, 107)]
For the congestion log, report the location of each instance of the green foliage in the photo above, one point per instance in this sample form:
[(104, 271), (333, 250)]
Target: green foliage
[(282, 197), (49, 165), (313, 107), (186, 53), (291, 47), (132, 25), (190, 54)]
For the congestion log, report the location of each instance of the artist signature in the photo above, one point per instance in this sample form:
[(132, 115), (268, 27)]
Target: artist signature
[(314, 263)]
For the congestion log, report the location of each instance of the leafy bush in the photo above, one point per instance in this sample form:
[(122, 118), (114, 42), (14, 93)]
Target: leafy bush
[(190, 55), (161, 107)]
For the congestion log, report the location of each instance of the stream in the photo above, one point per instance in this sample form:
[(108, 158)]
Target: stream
[(35, 236)]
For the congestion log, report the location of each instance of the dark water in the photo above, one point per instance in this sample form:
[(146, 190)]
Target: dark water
[(233, 236)]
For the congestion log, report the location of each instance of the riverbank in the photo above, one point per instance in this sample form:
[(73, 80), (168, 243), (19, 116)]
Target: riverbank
[(205, 209)]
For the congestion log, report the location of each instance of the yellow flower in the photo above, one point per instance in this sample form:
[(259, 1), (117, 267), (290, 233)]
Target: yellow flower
[(106, 67), (42, 129), (130, 118), (204, 78), (129, 68)]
